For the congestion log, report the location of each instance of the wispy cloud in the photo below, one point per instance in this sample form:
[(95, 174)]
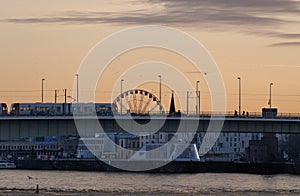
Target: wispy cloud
[(253, 16), (282, 44), (272, 65), (203, 12)]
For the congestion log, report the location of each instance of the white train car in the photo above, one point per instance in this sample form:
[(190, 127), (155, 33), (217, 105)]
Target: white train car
[(82, 108), (37, 109), (52, 109), (103, 109)]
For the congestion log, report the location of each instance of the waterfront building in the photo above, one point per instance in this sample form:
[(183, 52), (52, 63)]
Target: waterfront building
[(39, 147), (264, 150), (228, 147), (100, 146)]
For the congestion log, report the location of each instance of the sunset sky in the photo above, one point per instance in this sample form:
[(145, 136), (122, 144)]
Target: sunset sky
[(258, 40)]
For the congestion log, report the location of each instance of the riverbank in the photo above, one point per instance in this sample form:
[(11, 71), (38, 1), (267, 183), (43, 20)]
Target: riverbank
[(172, 167)]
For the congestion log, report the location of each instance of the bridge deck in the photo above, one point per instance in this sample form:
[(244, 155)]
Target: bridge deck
[(29, 126)]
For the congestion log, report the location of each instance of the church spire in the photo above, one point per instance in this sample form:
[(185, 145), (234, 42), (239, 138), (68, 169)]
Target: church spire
[(172, 105)]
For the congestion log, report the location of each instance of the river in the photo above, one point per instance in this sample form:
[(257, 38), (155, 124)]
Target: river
[(17, 182)]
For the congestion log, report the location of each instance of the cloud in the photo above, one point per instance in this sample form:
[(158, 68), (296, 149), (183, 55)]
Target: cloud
[(272, 65), (258, 17), (274, 34), (203, 12), (284, 35), (282, 44)]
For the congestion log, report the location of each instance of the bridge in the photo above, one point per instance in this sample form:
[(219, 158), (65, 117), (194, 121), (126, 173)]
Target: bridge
[(34, 126)]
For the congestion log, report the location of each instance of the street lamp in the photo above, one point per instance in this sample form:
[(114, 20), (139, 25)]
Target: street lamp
[(240, 95), (197, 99), (121, 95), (270, 99), (77, 88), (43, 90), (160, 107), (187, 102)]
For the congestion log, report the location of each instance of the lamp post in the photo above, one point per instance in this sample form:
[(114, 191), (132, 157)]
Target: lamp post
[(197, 99), (43, 90), (160, 107), (77, 88), (187, 102), (240, 95), (270, 99), (121, 95)]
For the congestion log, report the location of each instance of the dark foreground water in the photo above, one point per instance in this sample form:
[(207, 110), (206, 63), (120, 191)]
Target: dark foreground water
[(16, 182)]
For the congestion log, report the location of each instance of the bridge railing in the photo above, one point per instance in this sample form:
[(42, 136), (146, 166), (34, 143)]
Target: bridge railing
[(203, 114), (247, 115)]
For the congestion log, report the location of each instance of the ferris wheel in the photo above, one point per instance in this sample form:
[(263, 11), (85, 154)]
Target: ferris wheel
[(137, 102)]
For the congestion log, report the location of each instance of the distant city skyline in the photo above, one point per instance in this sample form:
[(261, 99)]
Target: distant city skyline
[(258, 41)]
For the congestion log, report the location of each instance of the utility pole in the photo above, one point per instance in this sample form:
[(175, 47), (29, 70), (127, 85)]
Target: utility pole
[(77, 88), (240, 94), (121, 95), (187, 102), (197, 99), (43, 90), (270, 99), (65, 96), (55, 96)]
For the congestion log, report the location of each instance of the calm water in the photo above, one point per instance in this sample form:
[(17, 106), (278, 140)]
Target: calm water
[(16, 182)]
